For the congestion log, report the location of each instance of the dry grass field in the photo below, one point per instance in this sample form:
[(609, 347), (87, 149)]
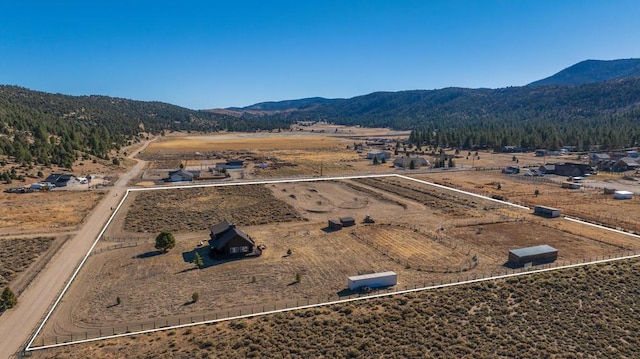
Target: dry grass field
[(423, 233), (41, 212), (584, 312), (589, 204)]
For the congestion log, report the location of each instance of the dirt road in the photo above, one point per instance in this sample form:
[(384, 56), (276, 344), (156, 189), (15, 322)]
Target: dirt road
[(18, 324)]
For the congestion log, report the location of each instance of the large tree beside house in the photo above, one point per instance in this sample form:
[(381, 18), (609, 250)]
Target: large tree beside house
[(165, 241)]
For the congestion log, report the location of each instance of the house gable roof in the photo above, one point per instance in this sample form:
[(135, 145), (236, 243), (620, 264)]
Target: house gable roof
[(406, 161), (220, 228), (231, 233), (627, 161)]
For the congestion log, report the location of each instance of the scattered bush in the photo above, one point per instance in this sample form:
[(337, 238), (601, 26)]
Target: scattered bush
[(8, 299)]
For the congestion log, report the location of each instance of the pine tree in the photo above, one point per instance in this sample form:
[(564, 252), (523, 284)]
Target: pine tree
[(8, 299), (197, 260)]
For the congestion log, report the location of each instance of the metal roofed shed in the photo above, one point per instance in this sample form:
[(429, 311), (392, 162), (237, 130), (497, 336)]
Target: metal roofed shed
[(622, 195), (347, 221), (334, 224), (548, 212), (373, 280), (537, 254)]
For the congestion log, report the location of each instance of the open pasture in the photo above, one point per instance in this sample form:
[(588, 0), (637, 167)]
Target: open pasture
[(422, 232)]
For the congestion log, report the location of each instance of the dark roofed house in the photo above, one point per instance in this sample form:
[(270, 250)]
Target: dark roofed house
[(547, 169), (59, 179), (228, 240), (573, 169), (597, 157), (626, 164)]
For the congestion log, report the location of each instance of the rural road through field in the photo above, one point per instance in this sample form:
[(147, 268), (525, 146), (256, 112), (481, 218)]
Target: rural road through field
[(18, 324)]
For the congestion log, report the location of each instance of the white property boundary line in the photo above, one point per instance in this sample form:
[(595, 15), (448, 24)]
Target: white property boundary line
[(446, 285), (75, 273)]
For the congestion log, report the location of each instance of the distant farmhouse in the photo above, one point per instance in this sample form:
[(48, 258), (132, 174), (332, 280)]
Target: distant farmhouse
[(626, 164), (226, 240), (60, 179), (567, 169), (406, 162), (230, 165), (182, 175), (379, 155)]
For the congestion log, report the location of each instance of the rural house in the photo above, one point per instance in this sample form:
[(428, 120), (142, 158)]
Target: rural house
[(182, 175), (230, 165), (228, 240), (547, 169), (405, 162), (60, 179), (625, 164), (573, 169), (599, 160), (380, 155)]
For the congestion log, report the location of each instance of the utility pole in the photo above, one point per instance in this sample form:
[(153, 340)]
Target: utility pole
[(320, 168)]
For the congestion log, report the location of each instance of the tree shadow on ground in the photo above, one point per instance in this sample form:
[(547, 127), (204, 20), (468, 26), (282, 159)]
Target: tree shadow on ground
[(207, 261), (149, 254)]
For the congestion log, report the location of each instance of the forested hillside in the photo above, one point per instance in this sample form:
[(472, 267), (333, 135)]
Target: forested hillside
[(43, 128), (589, 71), (605, 114)]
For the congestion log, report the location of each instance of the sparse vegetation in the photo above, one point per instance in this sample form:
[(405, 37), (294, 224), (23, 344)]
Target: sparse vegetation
[(194, 297), (16, 255), (242, 205), (561, 314)]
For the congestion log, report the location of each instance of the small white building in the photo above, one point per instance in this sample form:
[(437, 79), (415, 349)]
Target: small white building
[(373, 280), (622, 195)]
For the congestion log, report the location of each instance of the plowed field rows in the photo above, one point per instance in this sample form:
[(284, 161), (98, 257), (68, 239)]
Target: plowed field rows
[(414, 249)]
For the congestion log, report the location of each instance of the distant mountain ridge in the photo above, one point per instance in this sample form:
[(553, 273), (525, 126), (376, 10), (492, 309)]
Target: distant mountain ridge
[(300, 104), (591, 71)]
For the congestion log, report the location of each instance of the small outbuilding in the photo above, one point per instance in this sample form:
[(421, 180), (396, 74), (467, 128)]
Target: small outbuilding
[(537, 254), (373, 280), (622, 195), (335, 224), (548, 212), (379, 155), (347, 221)]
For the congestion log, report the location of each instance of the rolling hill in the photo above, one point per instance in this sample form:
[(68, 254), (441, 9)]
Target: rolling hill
[(591, 71)]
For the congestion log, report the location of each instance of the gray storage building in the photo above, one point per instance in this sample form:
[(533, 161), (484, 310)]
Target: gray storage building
[(540, 254), (546, 211)]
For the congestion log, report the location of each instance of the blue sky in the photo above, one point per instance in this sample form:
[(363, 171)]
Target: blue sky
[(210, 54)]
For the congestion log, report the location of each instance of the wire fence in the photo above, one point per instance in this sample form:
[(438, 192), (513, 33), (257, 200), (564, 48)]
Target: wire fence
[(132, 328), (112, 247)]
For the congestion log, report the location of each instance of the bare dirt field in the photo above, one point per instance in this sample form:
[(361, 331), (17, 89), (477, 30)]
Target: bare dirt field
[(423, 233), (573, 313)]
